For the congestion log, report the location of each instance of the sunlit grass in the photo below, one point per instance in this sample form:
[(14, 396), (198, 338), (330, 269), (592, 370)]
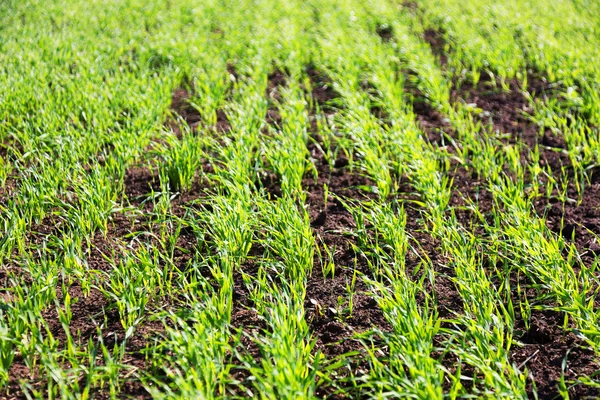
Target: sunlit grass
[(86, 101)]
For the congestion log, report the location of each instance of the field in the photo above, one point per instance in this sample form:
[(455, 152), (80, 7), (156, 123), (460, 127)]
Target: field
[(299, 199)]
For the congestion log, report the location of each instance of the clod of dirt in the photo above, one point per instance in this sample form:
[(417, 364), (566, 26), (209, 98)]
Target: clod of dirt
[(320, 220), (385, 32), (410, 5), (593, 248)]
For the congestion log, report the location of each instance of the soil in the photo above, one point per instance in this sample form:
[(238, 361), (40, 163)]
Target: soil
[(183, 112), (435, 39), (508, 113), (385, 32), (331, 224), (91, 312), (577, 220), (545, 347), (322, 91), (545, 344), (330, 325), (333, 325)]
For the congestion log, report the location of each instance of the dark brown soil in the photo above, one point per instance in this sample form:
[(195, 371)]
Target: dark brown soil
[(139, 182), (332, 223), (92, 313), (507, 112), (432, 122), (327, 297), (7, 191), (322, 91), (276, 81), (326, 303), (545, 347), (385, 32), (183, 111), (437, 42), (546, 344), (578, 220)]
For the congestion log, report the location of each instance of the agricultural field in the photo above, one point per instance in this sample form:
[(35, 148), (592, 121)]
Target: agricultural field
[(299, 199)]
